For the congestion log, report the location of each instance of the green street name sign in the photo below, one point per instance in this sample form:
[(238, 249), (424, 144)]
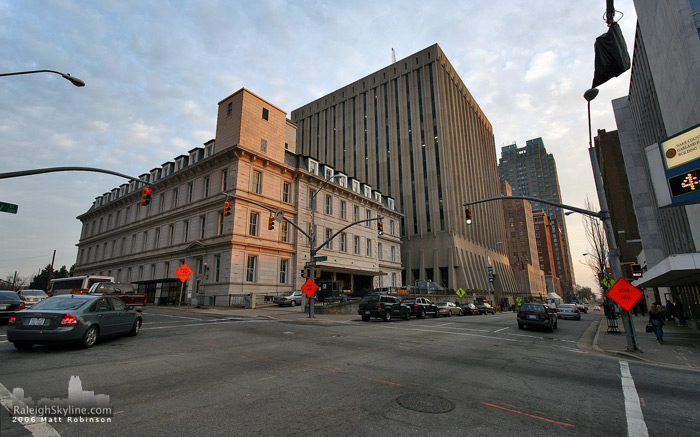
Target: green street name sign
[(8, 207), (320, 258)]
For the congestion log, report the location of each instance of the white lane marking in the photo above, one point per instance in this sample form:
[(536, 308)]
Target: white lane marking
[(502, 329), (454, 333), (35, 425), (179, 317), (207, 324), (636, 427)]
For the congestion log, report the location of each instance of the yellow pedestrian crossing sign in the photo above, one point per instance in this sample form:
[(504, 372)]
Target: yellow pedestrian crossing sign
[(460, 292)]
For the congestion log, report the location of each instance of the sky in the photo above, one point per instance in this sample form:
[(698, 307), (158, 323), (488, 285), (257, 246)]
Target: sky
[(155, 71)]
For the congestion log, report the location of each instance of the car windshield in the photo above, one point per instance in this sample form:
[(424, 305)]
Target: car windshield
[(408, 301), (533, 308), (8, 295), (61, 304), (370, 299)]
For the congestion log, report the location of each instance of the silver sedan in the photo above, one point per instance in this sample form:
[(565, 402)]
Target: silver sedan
[(448, 309)]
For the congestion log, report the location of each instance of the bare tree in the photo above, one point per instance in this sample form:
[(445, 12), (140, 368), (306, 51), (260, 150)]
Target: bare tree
[(595, 234)]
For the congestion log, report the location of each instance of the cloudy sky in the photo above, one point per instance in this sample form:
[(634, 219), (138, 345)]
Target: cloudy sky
[(155, 70)]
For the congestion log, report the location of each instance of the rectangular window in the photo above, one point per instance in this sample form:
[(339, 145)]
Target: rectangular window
[(257, 182), (224, 179), (343, 242), (329, 232), (153, 271), (284, 268), (251, 267), (286, 192), (392, 228), (379, 250), (311, 198), (202, 226), (329, 204), (171, 235), (190, 189), (144, 242), (263, 145), (285, 230), (162, 203), (186, 231), (122, 248), (265, 114), (357, 245), (175, 198), (133, 245), (220, 225), (393, 253), (368, 249), (217, 268), (156, 240), (206, 186), (253, 226), (368, 215), (343, 209), (356, 213), (229, 110), (166, 271)]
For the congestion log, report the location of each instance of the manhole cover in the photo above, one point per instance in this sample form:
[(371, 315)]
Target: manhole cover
[(425, 403)]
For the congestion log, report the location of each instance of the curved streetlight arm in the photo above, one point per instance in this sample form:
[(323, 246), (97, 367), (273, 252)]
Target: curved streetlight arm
[(315, 251), (74, 80), (600, 215), (14, 174)]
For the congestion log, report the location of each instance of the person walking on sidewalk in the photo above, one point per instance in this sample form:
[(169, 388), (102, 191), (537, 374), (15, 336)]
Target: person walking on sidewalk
[(656, 320), (670, 313), (678, 308)]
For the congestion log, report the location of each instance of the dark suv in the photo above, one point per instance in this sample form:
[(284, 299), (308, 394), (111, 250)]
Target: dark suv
[(421, 306), (537, 314), (382, 306)]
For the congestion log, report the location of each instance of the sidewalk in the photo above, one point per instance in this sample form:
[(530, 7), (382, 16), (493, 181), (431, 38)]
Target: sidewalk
[(681, 347)]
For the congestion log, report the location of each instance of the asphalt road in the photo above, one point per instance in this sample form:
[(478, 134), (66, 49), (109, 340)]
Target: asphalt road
[(199, 374)]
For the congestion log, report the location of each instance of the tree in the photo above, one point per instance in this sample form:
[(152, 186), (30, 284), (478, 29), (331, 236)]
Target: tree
[(597, 258), (12, 282), (41, 281)]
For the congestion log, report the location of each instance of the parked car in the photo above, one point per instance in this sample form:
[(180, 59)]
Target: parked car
[(421, 307), (470, 309), (596, 308), (582, 308), (74, 318), (122, 290), (568, 311), (537, 314), (9, 303), (486, 308), (383, 306), (30, 297), (292, 299), (448, 309)]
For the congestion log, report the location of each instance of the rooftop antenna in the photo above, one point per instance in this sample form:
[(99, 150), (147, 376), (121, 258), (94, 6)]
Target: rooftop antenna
[(393, 55)]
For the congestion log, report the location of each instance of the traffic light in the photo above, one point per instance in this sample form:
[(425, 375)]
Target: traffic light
[(306, 273), (227, 207), (146, 196), (468, 216), (271, 223), (380, 228)]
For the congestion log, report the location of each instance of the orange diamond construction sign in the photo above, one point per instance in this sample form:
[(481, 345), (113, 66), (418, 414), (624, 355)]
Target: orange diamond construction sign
[(625, 294)]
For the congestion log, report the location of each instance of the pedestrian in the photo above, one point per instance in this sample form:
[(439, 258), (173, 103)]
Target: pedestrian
[(656, 320), (669, 310), (678, 309)]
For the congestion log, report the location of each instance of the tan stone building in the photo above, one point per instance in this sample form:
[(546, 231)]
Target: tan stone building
[(253, 157)]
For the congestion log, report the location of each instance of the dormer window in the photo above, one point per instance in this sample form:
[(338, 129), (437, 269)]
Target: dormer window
[(313, 167), (342, 181), (377, 196), (329, 173), (368, 191), (390, 202), (356, 186)]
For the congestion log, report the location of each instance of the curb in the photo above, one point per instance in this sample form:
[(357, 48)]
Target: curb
[(618, 354)]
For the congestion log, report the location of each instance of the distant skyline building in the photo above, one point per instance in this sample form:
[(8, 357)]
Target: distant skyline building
[(413, 131), (531, 171)]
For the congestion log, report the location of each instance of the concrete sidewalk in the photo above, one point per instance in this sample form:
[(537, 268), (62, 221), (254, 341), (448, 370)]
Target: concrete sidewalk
[(681, 347)]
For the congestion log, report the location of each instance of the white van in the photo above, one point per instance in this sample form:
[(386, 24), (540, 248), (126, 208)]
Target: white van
[(76, 284)]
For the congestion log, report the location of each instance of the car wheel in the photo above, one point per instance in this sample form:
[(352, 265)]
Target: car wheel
[(436, 314), (551, 328), (387, 316), (520, 326), (421, 315), (90, 337), (407, 315), (20, 346), (365, 318), (135, 328), (293, 303)]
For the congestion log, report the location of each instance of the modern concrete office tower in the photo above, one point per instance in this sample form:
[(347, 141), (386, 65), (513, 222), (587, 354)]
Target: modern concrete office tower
[(662, 102), (531, 171), (414, 131)]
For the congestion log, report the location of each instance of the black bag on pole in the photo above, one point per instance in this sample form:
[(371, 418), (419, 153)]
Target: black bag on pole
[(611, 57)]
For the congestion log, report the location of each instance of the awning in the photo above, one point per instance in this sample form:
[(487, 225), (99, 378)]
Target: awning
[(672, 271)]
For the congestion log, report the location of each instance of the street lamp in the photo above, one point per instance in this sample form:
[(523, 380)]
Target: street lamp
[(74, 80), (613, 254), (312, 240)]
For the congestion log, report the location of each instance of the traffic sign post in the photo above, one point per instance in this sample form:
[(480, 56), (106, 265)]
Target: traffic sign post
[(183, 272)]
